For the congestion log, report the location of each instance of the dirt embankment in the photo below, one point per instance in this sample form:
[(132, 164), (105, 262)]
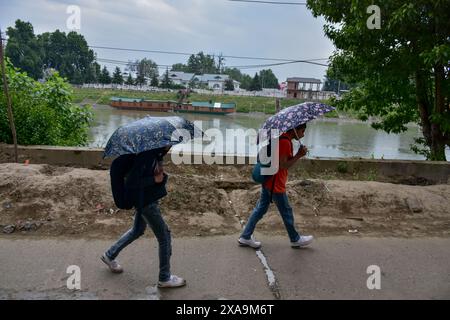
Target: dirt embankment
[(60, 201)]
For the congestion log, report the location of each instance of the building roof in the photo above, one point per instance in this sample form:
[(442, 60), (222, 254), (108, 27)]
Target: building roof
[(213, 104), (178, 75), (307, 80), (126, 99), (120, 99), (212, 77), (207, 77)]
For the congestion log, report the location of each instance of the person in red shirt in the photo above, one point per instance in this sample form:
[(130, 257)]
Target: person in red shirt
[(275, 189)]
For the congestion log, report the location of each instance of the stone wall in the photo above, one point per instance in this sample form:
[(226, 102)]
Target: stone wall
[(403, 171)]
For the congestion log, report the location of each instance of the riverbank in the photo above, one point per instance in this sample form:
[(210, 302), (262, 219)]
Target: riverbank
[(44, 200), (244, 104)]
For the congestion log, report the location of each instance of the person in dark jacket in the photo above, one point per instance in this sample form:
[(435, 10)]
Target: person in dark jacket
[(145, 185)]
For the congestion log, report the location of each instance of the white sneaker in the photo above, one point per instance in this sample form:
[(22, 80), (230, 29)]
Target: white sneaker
[(302, 242), (249, 243), (113, 265), (173, 282)]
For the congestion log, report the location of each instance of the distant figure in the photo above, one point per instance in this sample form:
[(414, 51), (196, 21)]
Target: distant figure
[(275, 189), (139, 181)]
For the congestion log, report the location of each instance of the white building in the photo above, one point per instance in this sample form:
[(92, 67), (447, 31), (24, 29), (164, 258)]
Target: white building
[(213, 81)]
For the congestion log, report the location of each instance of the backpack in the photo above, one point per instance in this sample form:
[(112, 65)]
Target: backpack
[(120, 169), (131, 180), (257, 175)]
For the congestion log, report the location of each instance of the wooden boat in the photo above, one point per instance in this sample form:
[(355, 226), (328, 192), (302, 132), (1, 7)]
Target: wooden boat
[(208, 107)]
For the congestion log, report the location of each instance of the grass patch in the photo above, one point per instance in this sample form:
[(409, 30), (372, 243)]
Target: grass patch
[(342, 167)]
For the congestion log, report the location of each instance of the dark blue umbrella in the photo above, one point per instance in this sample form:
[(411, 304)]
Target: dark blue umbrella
[(150, 133), (296, 115)]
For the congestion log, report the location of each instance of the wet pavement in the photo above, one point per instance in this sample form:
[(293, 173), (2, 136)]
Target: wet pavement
[(217, 268)]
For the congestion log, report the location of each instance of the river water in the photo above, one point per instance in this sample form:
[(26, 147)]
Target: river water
[(325, 138)]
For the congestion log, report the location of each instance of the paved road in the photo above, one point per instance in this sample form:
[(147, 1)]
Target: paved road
[(216, 268)]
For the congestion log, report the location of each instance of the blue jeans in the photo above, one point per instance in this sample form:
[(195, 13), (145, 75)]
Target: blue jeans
[(284, 208), (150, 215)]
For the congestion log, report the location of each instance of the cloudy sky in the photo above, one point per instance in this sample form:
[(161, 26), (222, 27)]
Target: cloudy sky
[(188, 26)]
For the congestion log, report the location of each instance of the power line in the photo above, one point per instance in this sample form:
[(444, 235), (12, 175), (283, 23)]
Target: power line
[(190, 54), (127, 63), (272, 2), (279, 64)]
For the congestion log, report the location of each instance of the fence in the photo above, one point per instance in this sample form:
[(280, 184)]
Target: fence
[(269, 93)]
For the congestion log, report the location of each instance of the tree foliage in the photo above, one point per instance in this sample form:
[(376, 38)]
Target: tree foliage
[(69, 54), (130, 80), (154, 82), (43, 112), (179, 67), (23, 49), (117, 76), (256, 83), (401, 70), (234, 73), (105, 77), (268, 79), (145, 69), (246, 82), (199, 63), (166, 82), (229, 85)]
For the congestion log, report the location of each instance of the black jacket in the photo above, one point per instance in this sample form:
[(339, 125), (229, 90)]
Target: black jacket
[(140, 186)]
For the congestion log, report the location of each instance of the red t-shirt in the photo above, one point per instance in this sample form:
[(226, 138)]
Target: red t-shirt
[(281, 177)]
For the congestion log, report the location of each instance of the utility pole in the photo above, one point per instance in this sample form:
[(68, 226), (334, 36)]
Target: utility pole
[(221, 59), (8, 99)]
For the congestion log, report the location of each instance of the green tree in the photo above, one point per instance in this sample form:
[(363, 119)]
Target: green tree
[(401, 70), (129, 81), (93, 74), (117, 76), (145, 69), (166, 82), (229, 85), (140, 79), (246, 82), (105, 77), (43, 112), (268, 79), (24, 50), (256, 83), (154, 82), (234, 73), (201, 64), (69, 54), (179, 67)]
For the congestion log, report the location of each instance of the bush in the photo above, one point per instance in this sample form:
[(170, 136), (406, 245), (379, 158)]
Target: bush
[(342, 167), (43, 112)]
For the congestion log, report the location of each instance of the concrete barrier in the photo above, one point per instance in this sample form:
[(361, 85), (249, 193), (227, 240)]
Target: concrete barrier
[(401, 171)]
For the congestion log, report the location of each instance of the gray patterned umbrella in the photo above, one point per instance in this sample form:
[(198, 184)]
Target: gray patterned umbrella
[(296, 115), (150, 133)]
